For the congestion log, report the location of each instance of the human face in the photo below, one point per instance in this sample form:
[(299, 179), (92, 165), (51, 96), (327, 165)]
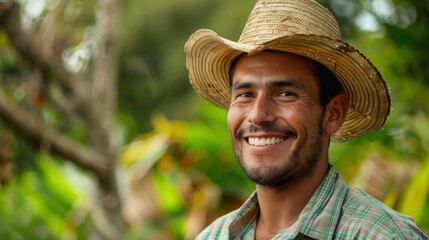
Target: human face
[(275, 118)]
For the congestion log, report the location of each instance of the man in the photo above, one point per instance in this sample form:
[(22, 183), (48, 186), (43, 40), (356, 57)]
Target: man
[(290, 85)]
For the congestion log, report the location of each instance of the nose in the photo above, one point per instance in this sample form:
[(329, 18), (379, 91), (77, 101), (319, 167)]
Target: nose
[(262, 111)]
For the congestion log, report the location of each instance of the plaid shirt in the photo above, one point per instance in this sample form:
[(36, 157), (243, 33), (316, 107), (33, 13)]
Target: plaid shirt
[(334, 212)]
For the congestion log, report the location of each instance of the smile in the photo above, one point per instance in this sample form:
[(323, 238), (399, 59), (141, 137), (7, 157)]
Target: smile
[(254, 141)]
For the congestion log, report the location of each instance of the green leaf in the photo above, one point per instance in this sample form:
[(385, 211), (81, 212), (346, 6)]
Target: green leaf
[(168, 194), (416, 194)]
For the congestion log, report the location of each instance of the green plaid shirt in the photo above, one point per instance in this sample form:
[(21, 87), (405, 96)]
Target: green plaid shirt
[(334, 212)]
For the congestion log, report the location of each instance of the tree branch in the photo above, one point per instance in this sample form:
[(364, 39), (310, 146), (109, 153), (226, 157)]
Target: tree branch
[(26, 44), (33, 129), (77, 91)]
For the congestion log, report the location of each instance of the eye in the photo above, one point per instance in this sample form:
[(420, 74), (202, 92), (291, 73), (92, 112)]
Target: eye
[(286, 94), (244, 95)]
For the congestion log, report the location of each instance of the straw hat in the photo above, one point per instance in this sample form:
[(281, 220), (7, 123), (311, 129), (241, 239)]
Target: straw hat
[(302, 27)]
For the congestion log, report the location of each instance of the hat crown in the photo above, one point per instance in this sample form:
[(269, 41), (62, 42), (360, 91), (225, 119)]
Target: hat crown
[(272, 19)]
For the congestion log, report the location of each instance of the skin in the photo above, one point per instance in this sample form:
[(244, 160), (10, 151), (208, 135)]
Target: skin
[(276, 96)]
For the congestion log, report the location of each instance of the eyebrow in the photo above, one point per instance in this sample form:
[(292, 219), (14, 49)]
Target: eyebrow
[(275, 83)]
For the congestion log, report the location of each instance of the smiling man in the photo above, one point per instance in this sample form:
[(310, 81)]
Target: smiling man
[(291, 85), (276, 119)]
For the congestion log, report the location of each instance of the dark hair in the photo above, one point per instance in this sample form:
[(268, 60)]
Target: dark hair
[(232, 69), (329, 85)]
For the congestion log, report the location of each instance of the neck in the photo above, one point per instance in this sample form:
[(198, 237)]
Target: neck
[(280, 208)]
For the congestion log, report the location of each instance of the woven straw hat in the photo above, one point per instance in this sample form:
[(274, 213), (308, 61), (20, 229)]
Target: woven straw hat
[(302, 27)]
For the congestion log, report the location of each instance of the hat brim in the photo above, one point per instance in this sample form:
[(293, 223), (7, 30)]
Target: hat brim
[(209, 57)]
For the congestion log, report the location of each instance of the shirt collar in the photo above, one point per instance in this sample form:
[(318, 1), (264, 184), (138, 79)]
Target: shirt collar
[(244, 218), (321, 214)]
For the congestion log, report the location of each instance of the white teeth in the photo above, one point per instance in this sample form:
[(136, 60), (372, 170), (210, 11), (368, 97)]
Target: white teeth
[(264, 141)]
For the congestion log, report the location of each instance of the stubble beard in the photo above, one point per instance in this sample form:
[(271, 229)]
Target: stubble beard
[(297, 164)]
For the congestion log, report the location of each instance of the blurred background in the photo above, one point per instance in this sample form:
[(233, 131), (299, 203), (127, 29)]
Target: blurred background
[(102, 136)]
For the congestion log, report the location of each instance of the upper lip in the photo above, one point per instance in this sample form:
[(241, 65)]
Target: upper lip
[(266, 135), (267, 132), (287, 134), (283, 137)]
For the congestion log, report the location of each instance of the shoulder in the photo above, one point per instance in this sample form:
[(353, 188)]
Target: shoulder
[(217, 229), (368, 218)]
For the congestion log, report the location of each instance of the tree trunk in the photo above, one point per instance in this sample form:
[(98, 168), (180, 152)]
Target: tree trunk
[(104, 95)]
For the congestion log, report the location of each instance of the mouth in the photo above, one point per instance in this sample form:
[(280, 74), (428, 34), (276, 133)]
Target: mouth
[(267, 136), (272, 140), (262, 141)]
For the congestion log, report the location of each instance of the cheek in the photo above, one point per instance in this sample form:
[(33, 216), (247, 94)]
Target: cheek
[(301, 117), (231, 120), (294, 113), (234, 120)]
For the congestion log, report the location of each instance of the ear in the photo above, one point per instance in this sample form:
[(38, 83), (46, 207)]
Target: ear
[(336, 112)]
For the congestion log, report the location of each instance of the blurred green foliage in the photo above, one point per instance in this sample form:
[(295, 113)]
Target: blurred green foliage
[(44, 204), (177, 176)]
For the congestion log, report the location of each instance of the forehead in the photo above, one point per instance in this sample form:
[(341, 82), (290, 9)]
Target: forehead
[(274, 65)]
